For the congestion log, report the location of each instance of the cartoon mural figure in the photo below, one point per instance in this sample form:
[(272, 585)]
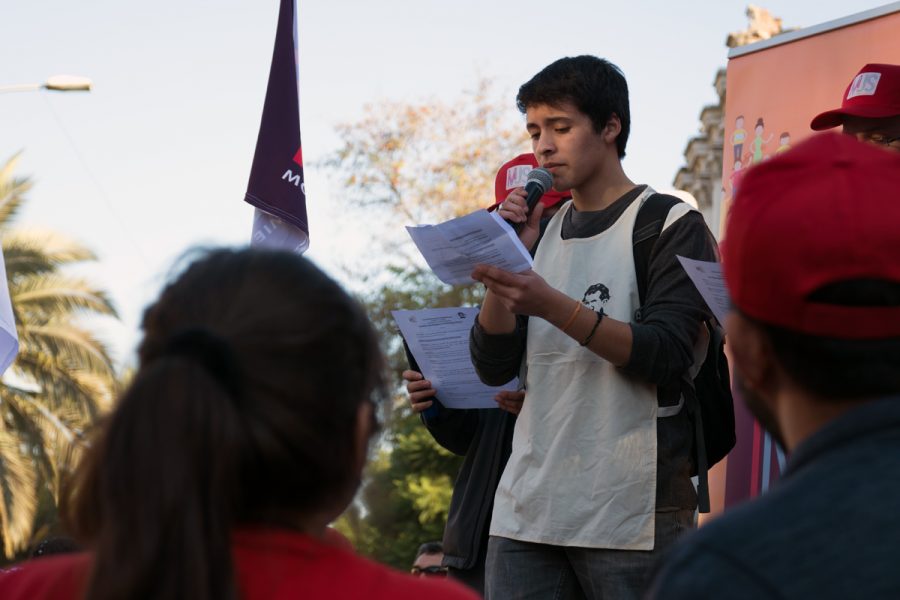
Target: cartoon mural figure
[(596, 296), (736, 177), (758, 141), (738, 138), (784, 142)]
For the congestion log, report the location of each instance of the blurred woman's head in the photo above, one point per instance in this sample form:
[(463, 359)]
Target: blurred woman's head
[(252, 403)]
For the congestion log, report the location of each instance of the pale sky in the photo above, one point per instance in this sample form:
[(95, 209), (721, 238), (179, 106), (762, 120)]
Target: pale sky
[(156, 159)]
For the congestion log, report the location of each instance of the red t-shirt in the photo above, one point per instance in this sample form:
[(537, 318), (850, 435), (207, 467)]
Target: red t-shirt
[(270, 564)]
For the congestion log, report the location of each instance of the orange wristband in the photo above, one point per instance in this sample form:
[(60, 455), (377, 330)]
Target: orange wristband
[(572, 316)]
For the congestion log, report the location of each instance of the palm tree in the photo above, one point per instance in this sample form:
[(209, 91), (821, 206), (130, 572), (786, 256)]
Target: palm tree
[(63, 377)]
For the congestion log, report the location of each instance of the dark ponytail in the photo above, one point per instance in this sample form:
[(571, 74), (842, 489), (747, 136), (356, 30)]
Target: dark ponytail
[(174, 531), (242, 412)]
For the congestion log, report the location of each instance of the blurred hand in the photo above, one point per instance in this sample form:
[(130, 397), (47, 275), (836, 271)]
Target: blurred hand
[(511, 402), (419, 390)]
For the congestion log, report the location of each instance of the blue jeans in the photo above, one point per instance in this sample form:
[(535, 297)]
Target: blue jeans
[(528, 571)]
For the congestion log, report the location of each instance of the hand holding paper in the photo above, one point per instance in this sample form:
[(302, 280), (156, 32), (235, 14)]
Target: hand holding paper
[(454, 247), (525, 293), (438, 339)]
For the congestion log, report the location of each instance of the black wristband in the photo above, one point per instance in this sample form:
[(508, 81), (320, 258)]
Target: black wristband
[(590, 336)]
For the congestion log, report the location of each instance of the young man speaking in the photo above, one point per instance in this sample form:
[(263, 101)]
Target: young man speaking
[(598, 483)]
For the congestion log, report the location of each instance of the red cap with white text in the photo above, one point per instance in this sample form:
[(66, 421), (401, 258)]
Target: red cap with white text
[(822, 214), (513, 175), (873, 93)]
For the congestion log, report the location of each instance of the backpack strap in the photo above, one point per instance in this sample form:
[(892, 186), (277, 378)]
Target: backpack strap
[(647, 228), (703, 501)]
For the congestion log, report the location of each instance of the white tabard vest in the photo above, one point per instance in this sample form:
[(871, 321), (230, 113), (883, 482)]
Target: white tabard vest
[(583, 465)]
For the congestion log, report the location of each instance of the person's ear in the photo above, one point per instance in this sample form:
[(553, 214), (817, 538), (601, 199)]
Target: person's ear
[(612, 129), (752, 352), (365, 417)]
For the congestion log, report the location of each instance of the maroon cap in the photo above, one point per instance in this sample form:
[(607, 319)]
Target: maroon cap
[(873, 93), (514, 173), (821, 213)]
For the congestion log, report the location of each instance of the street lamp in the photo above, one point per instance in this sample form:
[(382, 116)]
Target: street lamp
[(58, 83)]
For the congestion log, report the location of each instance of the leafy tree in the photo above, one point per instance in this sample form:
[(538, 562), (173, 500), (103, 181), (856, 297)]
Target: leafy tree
[(63, 377), (411, 163), (425, 162), (406, 495)]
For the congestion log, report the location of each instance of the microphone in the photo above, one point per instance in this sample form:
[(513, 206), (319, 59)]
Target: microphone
[(537, 183)]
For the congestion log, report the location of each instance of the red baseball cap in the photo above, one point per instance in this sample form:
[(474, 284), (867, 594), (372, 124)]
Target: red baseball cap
[(822, 213), (514, 173), (873, 93)]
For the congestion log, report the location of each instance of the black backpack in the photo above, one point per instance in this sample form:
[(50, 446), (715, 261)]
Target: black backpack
[(708, 398)]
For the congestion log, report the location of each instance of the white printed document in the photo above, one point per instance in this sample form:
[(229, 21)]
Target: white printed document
[(439, 341), (454, 247), (708, 279)]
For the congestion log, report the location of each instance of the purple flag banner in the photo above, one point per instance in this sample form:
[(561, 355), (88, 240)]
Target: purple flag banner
[(276, 187)]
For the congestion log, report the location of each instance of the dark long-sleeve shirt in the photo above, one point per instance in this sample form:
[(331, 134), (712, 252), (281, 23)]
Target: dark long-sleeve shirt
[(828, 529), (484, 438)]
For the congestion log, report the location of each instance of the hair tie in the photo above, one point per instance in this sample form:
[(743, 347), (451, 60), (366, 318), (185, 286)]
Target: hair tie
[(212, 352)]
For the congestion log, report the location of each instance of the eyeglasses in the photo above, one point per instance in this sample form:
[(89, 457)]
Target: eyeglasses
[(879, 139), (432, 571)]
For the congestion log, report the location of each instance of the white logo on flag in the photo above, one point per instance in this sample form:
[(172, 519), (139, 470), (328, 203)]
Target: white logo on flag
[(517, 176), (292, 177), (865, 84)]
